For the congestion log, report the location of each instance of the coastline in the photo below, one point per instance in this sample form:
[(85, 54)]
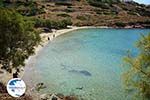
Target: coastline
[(44, 41), (30, 61), (6, 76), (56, 33)]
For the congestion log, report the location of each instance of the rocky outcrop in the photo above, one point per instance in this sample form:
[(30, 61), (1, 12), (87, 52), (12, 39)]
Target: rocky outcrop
[(57, 97)]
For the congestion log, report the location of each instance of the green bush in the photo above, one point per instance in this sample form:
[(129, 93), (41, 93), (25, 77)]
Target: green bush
[(144, 22), (1, 3), (69, 10), (120, 24), (51, 23), (63, 15), (137, 77), (29, 9), (102, 3), (81, 18), (62, 24), (64, 3)]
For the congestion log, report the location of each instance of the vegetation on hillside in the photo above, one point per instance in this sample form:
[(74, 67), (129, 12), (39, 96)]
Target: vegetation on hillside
[(137, 78), (17, 39), (95, 12), (55, 24), (102, 3)]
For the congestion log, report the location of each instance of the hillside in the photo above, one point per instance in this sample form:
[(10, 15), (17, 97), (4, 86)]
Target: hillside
[(86, 12)]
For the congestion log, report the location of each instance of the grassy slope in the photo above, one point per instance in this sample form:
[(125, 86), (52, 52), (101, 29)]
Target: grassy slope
[(84, 13)]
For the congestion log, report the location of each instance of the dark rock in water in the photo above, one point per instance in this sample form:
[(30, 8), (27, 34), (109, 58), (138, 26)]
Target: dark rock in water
[(71, 98), (74, 71), (83, 72), (54, 98), (79, 88), (86, 73), (40, 86)]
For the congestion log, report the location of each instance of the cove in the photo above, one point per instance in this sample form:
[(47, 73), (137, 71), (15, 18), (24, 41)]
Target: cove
[(87, 63)]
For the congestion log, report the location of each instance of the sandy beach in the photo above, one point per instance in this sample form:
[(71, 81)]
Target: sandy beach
[(29, 63), (5, 76), (56, 33), (25, 71)]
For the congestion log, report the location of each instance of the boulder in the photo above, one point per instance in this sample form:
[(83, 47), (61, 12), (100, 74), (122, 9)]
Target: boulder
[(40, 86), (44, 97)]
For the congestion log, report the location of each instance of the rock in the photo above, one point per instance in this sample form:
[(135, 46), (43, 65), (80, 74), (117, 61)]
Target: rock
[(61, 96), (82, 72), (70, 98), (40, 86), (79, 88), (86, 73), (44, 97), (54, 98)]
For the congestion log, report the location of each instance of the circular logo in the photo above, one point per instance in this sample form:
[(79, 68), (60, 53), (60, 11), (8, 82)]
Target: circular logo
[(16, 87)]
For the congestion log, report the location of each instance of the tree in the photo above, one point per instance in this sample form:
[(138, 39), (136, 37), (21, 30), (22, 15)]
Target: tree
[(137, 78), (1, 3), (17, 39)]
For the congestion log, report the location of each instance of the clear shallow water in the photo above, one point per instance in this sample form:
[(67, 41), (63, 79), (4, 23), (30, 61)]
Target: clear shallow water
[(87, 63)]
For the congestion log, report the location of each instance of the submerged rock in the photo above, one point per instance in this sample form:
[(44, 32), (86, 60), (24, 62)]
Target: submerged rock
[(54, 98), (44, 97), (70, 98), (74, 71), (40, 86), (83, 72), (79, 88), (86, 73)]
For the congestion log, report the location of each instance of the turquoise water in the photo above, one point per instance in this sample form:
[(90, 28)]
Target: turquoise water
[(88, 63)]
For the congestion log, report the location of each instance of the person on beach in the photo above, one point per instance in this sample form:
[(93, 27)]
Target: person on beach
[(48, 38), (54, 35), (18, 70), (15, 75)]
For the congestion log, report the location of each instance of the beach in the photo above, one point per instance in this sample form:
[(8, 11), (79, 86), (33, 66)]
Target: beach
[(29, 63), (45, 39), (53, 52), (56, 33), (6, 76)]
